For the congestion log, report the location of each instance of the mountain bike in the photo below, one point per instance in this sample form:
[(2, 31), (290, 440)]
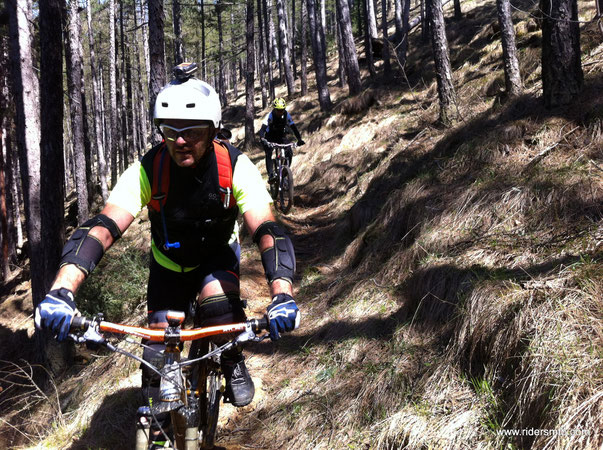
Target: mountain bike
[(191, 387), (281, 189)]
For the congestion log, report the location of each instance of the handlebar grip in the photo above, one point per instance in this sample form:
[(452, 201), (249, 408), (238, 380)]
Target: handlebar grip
[(79, 323), (260, 324)]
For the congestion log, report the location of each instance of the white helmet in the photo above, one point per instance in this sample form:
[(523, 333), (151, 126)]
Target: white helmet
[(192, 99)]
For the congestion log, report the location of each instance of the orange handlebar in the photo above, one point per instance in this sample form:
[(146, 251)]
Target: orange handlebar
[(158, 335)]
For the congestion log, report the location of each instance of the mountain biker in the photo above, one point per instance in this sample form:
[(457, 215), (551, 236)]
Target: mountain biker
[(195, 250), (273, 129)]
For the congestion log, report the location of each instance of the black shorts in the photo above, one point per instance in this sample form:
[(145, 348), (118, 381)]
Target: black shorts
[(177, 291)]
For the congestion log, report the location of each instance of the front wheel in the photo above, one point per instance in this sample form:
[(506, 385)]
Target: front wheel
[(210, 394), (285, 200)]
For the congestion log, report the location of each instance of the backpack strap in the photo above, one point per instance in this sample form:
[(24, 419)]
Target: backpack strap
[(161, 179), (224, 174)]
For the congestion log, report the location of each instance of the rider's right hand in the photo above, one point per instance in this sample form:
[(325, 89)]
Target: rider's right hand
[(55, 312)]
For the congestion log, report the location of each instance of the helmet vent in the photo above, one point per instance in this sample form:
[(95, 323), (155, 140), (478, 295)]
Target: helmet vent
[(164, 104), (190, 105)]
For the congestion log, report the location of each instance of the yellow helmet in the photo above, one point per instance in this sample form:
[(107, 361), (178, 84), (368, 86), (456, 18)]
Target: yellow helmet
[(279, 103)]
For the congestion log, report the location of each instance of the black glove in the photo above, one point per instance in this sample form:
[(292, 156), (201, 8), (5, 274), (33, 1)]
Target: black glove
[(55, 312), (283, 315), (300, 142)]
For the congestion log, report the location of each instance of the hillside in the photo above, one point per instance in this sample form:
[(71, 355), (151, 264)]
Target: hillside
[(450, 280)]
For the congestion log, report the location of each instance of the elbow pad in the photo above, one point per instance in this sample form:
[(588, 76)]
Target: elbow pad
[(279, 260), (85, 251)]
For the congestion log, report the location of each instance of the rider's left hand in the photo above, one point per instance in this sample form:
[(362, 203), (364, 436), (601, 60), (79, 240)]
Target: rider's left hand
[(283, 315), (300, 142)]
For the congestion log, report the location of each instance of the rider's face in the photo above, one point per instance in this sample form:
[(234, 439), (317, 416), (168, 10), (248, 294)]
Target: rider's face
[(187, 153), (279, 113)]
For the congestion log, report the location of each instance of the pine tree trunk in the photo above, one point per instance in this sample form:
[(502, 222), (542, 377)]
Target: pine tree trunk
[(233, 51), (372, 19), (145, 39), (4, 236), (113, 135), (368, 41), (74, 82), (124, 129), (203, 61), (157, 58), (349, 47), (25, 90), (51, 136), (249, 79), (398, 19), (562, 76), (293, 40), (403, 47), (441, 58), (319, 54), (269, 47), (341, 58), (221, 81), (304, 49), (141, 111), (284, 37), (457, 10), (511, 63), (262, 56), (387, 68), (179, 54)]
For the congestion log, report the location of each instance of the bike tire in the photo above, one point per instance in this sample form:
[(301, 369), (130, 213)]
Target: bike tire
[(274, 186), (285, 200), (210, 395)]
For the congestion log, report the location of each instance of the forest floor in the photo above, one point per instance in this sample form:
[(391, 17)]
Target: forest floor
[(450, 280)]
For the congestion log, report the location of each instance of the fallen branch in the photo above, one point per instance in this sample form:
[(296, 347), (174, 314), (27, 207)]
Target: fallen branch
[(540, 156)]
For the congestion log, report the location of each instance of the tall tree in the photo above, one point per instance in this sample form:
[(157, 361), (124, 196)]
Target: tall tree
[(387, 68), (368, 41), (319, 55), (562, 76), (304, 49), (74, 80), (203, 57), (113, 135), (284, 38), (179, 54), (51, 137), (349, 47), (157, 57), (398, 19), (512, 76), (270, 51), (262, 56), (221, 81), (403, 46), (372, 19), (249, 78), (441, 57), (25, 89)]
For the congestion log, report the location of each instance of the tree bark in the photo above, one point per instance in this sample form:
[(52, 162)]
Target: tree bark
[(203, 57), (441, 58), (157, 58), (304, 49), (562, 76), (349, 47), (262, 56), (26, 94), (221, 82), (403, 47), (234, 55), (142, 112), (387, 68), (512, 76), (372, 19), (458, 14), (341, 57), (51, 136), (398, 19), (179, 53), (368, 41), (113, 135), (293, 39), (284, 37), (270, 51), (319, 54), (74, 82), (249, 79)]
